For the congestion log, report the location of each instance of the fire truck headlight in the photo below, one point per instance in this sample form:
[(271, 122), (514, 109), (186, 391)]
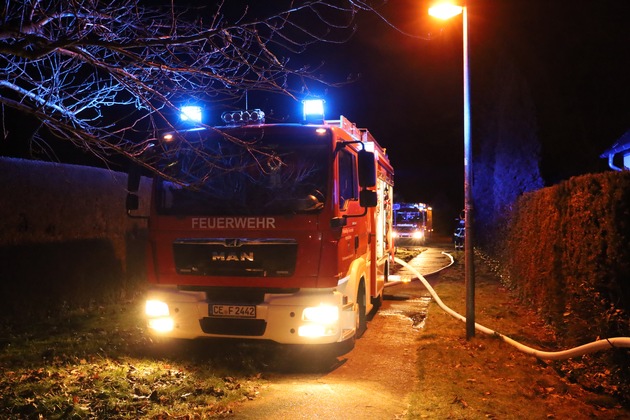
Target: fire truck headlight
[(320, 321), (156, 308), (394, 234), (157, 313), (162, 324), (417, 234), (312, 330), (323, 314)]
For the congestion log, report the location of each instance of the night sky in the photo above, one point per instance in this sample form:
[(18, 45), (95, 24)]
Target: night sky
[(574, 55)]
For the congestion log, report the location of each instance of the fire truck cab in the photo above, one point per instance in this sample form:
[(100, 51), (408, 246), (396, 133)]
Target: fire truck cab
[(413, 223), (278, 232)]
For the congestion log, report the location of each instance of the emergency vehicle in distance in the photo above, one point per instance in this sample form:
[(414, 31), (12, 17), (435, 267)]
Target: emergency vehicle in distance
[(413, 223), (286, 237)]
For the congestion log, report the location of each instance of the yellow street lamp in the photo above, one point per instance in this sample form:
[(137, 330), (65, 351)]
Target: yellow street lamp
[(446, 10)]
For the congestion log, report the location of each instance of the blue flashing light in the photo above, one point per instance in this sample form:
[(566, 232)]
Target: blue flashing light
[(313, 110), (191, 114)]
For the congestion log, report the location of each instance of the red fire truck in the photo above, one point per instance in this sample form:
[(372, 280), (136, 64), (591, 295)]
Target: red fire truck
[(278, 232), (413, 223)]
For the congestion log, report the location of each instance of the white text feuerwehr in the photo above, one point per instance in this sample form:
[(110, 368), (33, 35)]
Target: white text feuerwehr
[(233, 223)]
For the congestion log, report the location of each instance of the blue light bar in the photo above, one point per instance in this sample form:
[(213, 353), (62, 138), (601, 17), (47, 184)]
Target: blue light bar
[(191, 114), (313, 110)]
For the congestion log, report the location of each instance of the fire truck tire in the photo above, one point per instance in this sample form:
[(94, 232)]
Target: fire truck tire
[(361, 311), (377, 302)]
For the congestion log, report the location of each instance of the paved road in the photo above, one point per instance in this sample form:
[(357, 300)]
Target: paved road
[(374, 380)]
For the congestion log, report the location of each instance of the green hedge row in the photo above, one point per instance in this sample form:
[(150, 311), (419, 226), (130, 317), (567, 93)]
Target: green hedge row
[(567, 252)]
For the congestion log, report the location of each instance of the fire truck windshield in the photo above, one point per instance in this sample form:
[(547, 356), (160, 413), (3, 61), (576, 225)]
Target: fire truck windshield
[(408, 216), (245, 171)]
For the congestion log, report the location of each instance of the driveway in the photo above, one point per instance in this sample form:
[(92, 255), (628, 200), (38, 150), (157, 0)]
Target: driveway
[(374, 380)]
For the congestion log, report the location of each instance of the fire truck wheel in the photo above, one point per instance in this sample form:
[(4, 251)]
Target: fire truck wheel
[(361, 312), (377, 302)]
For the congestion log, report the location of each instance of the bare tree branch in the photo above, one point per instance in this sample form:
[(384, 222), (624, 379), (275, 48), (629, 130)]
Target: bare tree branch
[(107, 75)]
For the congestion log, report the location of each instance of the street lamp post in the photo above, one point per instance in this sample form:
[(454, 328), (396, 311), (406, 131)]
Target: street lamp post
[(446, 11)]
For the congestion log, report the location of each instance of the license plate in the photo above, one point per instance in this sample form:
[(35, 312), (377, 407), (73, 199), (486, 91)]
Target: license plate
[(233, 311)]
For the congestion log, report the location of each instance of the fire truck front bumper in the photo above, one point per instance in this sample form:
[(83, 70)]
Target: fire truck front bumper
[(305, 317)]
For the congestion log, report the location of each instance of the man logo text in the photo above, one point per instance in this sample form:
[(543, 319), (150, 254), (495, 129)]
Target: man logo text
[(233, 256)]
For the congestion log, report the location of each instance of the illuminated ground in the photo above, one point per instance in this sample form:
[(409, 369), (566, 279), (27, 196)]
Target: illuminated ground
[(415, 362), (373, 381)]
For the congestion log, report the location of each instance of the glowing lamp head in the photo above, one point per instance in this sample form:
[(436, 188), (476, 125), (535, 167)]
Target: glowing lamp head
[(191, 114), (313, 111), (445, 10)]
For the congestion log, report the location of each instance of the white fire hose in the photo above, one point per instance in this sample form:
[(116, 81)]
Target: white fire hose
[(592, 347)]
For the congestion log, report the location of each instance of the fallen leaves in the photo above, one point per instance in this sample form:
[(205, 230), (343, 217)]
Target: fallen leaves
[(459, 400), (68, 375)]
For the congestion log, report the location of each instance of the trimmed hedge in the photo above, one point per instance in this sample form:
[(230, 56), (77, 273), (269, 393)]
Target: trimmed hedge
[(567, 252), (65, 237)]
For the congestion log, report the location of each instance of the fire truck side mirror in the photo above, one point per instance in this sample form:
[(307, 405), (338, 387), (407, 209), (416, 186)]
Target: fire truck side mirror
[(367, 169), (133, 179), (133, 184), (133, 202), (368, 198)]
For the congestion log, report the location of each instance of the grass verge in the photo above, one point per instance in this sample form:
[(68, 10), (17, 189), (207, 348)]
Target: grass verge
[(485, 377), (100, 364)]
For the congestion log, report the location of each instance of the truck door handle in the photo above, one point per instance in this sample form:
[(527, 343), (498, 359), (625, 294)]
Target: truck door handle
[(356, 242)]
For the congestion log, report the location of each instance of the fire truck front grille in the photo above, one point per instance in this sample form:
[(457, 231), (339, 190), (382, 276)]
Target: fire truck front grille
[(251, 327), (235, 257)]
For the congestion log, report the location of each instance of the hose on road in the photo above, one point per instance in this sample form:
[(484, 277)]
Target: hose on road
[(592, 347)]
